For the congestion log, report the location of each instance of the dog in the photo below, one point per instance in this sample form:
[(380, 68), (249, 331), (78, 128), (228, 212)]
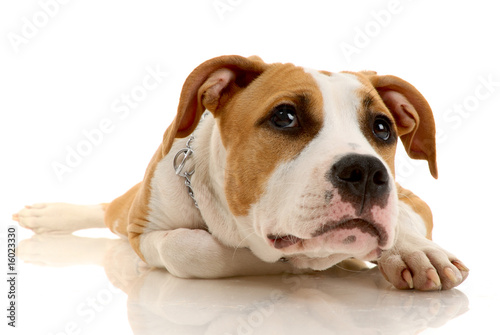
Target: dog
[(272, 168)]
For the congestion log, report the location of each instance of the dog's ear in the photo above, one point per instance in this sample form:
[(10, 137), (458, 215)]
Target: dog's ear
[(413, 116), (207, 88)]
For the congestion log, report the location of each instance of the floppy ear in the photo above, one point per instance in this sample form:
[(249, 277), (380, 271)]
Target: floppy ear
[(413, 116), (207, 87)]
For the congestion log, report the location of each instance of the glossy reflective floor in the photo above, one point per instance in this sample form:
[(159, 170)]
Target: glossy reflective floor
[(86, 285), (81, 58)]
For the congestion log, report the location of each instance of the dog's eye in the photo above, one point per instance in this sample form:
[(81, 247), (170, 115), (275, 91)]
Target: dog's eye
[(382, 128), (284, 116)]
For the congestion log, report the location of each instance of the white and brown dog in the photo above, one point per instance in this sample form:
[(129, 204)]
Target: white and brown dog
[(292, 169)]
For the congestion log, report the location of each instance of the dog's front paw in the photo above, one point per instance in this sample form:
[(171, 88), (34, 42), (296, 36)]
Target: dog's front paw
[(425, 268)]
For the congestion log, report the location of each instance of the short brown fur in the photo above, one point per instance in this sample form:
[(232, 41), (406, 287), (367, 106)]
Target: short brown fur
[(419, 206)]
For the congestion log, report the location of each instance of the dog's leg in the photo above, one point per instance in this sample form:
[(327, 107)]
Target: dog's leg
[(60, 217), (66, 218), (416, 262), (195, 253)]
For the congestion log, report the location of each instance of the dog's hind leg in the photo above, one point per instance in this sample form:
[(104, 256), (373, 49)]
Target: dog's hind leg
[(60, 217), (64, 218)]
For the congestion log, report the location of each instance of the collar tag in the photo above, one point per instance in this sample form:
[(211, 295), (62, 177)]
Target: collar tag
[(187, 152)]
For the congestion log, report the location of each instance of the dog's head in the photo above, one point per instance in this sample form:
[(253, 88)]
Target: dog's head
[(309, 174)]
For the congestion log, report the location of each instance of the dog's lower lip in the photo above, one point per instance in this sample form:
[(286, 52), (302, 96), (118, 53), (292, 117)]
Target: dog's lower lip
[(365, 226), (280, 242)]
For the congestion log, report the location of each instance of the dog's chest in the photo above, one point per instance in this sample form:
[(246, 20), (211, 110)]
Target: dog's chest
[(172, 206)]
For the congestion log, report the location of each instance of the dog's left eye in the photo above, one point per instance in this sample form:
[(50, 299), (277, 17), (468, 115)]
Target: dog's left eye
[(382, 129), (284, 116)]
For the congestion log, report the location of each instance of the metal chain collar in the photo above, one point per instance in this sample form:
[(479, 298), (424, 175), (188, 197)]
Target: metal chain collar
[(187, 152)]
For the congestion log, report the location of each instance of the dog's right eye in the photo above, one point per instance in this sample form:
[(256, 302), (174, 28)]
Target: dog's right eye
[(284, 116)]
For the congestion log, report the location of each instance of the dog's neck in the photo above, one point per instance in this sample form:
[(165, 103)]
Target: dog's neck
[(208, 182)]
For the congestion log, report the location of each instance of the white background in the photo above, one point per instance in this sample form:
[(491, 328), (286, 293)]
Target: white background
[(63, 73)]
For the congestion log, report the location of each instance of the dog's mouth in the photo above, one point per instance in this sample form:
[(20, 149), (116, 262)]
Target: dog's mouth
[(283, 241), (357, 226)]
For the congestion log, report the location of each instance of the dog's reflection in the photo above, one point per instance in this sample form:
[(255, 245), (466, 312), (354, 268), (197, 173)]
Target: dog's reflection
[(344, 300)]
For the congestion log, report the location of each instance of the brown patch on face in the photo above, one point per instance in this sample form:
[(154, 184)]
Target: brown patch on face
[(372, 108), (254, 146)]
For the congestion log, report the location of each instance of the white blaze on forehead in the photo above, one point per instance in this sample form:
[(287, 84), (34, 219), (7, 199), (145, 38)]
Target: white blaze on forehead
[(341, 103), (341, 133)]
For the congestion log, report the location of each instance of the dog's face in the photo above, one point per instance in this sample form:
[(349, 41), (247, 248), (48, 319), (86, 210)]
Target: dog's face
[(309, 171)]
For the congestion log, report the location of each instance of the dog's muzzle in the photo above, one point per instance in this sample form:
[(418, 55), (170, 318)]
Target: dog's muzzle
[(362, 187)]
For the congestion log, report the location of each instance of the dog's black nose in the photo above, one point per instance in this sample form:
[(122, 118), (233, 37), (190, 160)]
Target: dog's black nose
[(361, 179)]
